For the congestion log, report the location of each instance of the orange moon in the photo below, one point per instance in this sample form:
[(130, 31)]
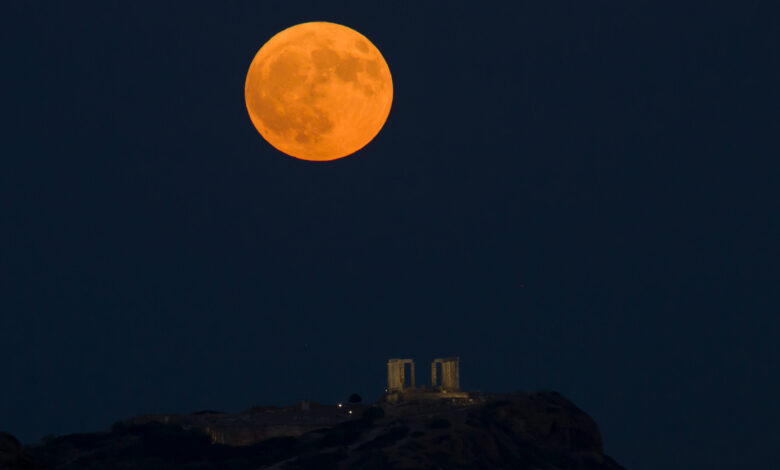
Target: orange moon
[(318, 91)]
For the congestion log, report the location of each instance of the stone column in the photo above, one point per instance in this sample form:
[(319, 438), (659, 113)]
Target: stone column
[(450, 373), (412, 372), (393, 376), (389, 376), (456, 375)]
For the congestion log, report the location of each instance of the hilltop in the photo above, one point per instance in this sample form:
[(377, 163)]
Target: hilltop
[(540, 430)]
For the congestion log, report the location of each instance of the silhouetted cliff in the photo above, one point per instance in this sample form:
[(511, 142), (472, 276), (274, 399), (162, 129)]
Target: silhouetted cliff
[(539, 430)]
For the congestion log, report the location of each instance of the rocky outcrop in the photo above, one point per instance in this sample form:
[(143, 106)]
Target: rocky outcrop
[(12, 455), (258, 423), (539, 430), (522, 430)]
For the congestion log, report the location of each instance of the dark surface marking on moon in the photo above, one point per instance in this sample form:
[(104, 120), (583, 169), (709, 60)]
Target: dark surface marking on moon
[(324, 58), (373, 69), (281, 114), (286, 102), (348, 68)]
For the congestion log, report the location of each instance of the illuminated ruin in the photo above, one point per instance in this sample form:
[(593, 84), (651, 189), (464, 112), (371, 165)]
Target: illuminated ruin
[(450, 374), (445, 380)]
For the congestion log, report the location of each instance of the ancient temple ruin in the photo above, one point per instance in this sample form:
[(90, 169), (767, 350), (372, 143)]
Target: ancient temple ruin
[(445, 380), (450, 374), (396, 374)]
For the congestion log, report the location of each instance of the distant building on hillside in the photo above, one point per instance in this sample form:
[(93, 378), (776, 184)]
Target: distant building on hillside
[(445, 380)]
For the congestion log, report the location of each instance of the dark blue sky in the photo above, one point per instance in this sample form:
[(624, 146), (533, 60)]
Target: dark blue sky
[(575, 196)]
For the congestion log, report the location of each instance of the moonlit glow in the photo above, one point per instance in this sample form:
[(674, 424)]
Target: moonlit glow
[(318, 91)]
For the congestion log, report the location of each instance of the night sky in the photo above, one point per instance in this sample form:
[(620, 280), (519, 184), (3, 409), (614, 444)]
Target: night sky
[(574, 196)]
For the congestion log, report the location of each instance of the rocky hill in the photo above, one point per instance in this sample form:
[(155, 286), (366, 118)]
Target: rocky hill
[(539, 430)]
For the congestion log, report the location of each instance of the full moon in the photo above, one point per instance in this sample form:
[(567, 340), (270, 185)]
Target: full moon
[(318, 91)]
